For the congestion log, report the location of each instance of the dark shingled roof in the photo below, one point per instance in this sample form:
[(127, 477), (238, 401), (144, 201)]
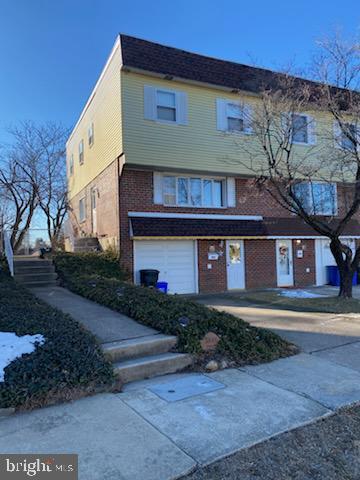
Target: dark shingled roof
[(160, 59), (201, 228)]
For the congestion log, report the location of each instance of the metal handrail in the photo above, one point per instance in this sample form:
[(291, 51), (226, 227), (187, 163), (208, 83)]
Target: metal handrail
[(9, 254)]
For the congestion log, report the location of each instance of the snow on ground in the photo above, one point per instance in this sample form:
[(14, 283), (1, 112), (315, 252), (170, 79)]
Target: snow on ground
[(299, 294), (12, 347)]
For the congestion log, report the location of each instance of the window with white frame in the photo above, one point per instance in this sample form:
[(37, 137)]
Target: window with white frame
[(347, 136), (193, 191), (163, 105), (82, 209), (81, 152), (233, 116), (166, 106), (317, 198), (300, 128), (91, 134), (71, 164)]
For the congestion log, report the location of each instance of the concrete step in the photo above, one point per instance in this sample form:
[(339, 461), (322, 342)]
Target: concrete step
[(152, 366), (24, 270), (35, 263), (35, 277), (138, 347), (38, 284)]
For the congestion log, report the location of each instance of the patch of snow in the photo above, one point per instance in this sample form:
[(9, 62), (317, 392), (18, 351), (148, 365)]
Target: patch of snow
[(299, 294), (12, 347)]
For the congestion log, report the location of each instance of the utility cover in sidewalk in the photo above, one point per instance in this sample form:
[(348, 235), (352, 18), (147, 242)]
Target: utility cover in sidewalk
[(185, 387)]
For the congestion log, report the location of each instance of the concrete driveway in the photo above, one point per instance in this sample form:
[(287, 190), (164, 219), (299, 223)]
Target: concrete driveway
[(310, 331)]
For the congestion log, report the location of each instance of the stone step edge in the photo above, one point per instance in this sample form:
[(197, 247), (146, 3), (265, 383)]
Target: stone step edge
[(138, 347)]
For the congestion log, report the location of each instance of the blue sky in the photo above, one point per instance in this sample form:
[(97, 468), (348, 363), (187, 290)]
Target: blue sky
[(51, 52)]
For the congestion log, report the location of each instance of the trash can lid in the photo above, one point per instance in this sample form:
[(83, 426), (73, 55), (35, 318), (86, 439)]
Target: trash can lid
[(150, 270)]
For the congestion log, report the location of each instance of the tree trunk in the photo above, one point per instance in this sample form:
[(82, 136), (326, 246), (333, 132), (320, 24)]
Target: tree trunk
[(346, 277), (343, 256)]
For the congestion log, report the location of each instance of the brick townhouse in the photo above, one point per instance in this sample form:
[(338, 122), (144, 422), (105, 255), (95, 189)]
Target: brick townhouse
[(153, 171)]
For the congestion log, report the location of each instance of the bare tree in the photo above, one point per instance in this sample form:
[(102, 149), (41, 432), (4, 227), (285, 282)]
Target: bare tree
[(32, 176), (52, 193), (291, 173)]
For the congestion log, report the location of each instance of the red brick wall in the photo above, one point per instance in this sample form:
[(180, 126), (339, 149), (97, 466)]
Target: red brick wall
[(136, 194), (302, 278), (260, 263), (214, 279), (107, 210)]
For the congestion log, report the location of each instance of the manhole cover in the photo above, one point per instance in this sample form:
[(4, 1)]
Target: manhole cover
[(185, 387)]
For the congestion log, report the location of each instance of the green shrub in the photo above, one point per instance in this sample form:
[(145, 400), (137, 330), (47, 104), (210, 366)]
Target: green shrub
[(69, 363), (106, 264), (240, 342)]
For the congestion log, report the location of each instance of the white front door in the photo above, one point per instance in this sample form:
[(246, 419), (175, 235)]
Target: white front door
[(235, 264), (284, 263), (93, 211)]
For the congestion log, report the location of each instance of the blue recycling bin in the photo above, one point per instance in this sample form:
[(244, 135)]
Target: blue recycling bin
[(162, 286), (333, 276)]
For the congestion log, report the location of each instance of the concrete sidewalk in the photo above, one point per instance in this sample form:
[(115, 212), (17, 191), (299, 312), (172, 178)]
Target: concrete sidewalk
[(141, 433), (107, 325), (160, 429)]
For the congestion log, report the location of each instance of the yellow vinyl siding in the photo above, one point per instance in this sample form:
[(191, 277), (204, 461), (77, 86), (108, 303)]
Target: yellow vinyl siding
[(198, 146), (104, 111)]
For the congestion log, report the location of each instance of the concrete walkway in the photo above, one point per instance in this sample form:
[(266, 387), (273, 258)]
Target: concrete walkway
[(105, 324), (310, 331), (142, 433), (160, 429)]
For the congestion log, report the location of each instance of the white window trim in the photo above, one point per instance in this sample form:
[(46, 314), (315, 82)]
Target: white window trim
[(176, 95), (311, 197), (222, 117), (224, 191), (338, 136), (181, 105), (91, 138), (81, 151), (82, 220), (71, 165), (311, 129)]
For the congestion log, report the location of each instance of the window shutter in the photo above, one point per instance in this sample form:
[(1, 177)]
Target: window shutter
[(231, 192), (247, 118), (149, 103), (337, 135), (311, 129), (221, 119), (182, 108), (157, 181)]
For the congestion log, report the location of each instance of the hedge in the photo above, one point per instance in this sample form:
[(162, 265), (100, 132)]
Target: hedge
[(68, 365), (239, 342)]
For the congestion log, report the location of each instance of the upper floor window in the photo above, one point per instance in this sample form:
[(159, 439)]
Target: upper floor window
[(82, 209), (232, 116), (91, 134), (193, 191), (71, 164), (166, 106), (317, 198), (301, 127), (347, 136), (81, 152)]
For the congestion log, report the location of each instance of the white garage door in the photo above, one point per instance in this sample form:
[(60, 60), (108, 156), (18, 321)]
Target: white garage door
[(325, 258), (174, 259)]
